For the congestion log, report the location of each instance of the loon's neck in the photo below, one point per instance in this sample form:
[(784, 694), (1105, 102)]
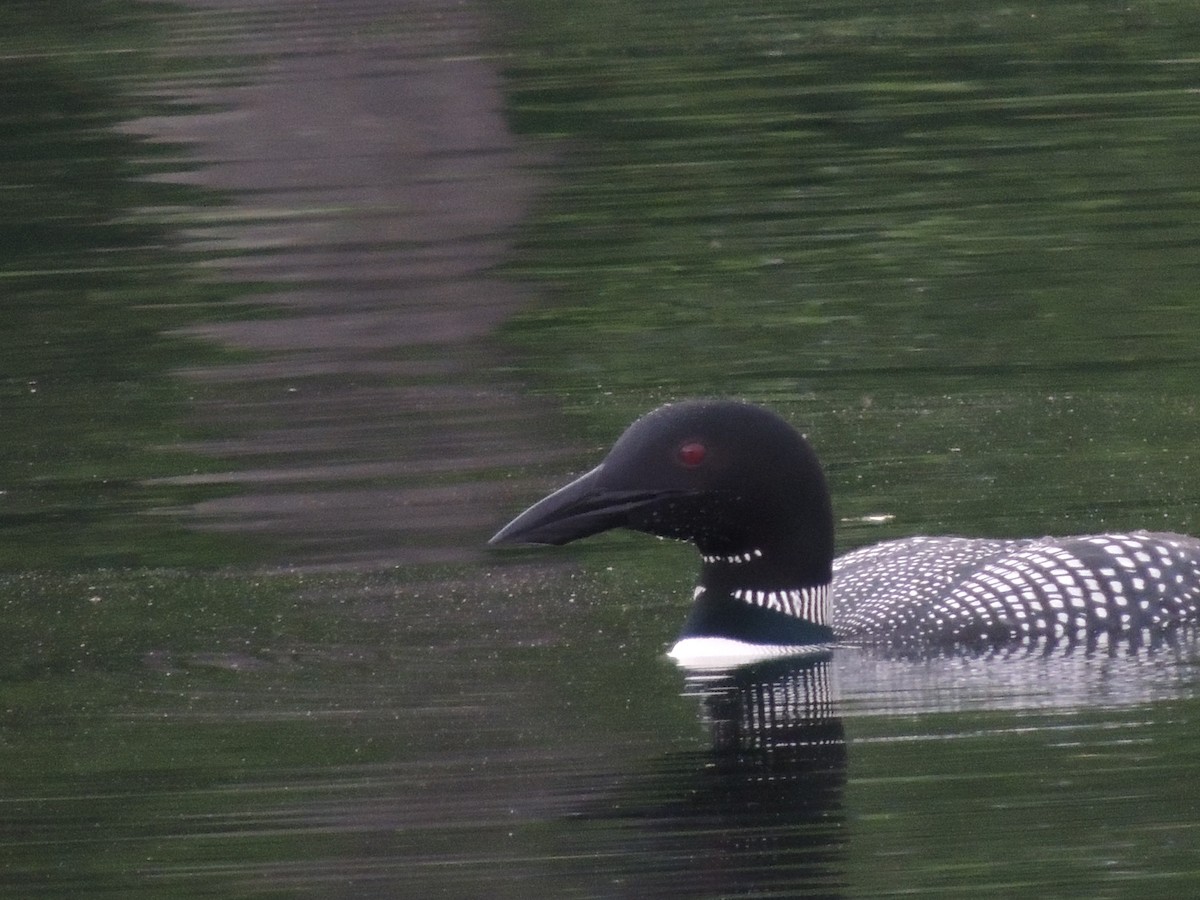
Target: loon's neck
[(761, 617), (763, 595), (777, 565)]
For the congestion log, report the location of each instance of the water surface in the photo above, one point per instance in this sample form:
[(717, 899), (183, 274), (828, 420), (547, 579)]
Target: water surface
[(303, 302)]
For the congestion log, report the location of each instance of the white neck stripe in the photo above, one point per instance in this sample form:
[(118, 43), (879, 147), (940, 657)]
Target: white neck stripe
[(810, 603)]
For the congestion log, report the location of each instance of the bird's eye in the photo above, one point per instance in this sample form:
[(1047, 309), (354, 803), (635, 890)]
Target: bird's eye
[(691, 453)]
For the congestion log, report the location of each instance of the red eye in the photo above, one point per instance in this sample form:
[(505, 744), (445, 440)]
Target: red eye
[(692, 454)]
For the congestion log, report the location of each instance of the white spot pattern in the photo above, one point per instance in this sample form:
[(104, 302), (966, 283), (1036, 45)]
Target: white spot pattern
[(953, 590)]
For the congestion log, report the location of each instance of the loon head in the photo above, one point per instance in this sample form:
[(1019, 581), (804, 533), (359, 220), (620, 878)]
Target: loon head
[(734, 479)]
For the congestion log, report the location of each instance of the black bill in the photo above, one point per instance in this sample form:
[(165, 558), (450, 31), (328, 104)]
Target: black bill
[(582, 508)]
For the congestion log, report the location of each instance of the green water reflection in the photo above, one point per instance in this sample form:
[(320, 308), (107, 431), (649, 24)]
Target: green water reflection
[(93, 285), (1051, 804), (764, 199)]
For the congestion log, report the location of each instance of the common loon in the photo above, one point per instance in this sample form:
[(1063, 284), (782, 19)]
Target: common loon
[(747, 489)]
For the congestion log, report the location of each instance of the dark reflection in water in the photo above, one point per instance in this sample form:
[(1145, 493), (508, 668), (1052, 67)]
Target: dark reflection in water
[(762, 813), (759, 813)]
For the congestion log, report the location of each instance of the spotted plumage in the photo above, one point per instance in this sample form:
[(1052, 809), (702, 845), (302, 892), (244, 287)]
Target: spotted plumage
[(748, 491), (959, 590)]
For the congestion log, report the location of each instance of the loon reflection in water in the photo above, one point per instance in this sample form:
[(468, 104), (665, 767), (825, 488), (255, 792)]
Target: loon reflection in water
[(759, 812), (746, 488)]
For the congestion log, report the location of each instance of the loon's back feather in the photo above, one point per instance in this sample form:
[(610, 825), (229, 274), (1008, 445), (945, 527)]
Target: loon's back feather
[(962, 590)]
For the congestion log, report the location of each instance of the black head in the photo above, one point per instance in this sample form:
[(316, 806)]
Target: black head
[(734, 479)]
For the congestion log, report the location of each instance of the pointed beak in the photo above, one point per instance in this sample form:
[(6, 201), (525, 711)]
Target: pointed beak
[(582, 508)]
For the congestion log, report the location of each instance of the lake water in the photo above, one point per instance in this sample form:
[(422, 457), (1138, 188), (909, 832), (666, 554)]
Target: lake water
[(304, 301)]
